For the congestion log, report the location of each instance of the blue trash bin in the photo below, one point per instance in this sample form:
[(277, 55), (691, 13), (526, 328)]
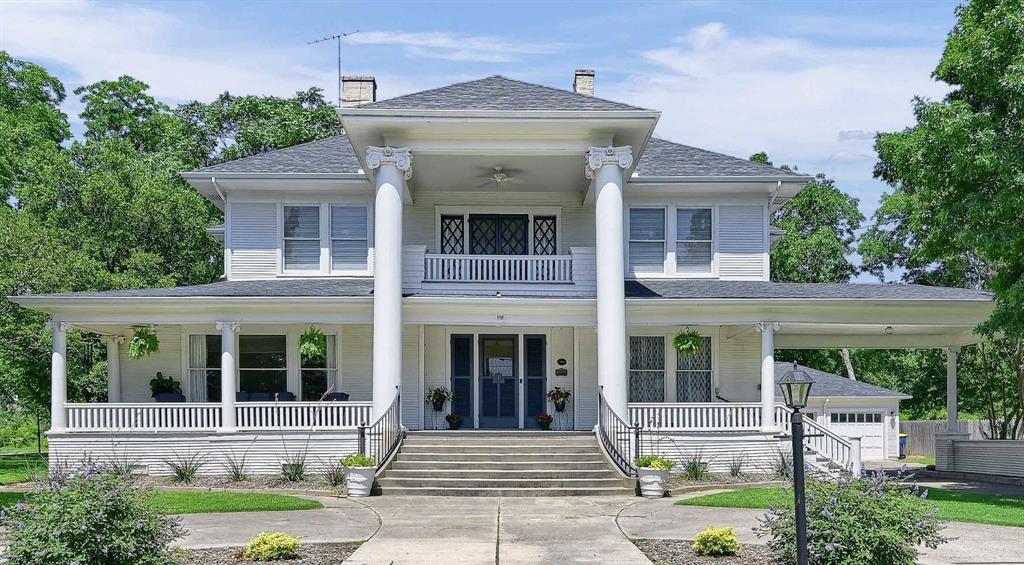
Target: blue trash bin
[(903, 445)]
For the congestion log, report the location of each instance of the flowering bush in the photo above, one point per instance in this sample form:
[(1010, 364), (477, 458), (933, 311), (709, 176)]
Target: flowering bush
[(655, 462), (439, 394), (271, 546), (875, 519), (90, 516), (716, 541)]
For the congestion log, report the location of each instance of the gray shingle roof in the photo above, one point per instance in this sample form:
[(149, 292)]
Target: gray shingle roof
[(829, 384), (682, 288), (277, 288), (497, 93), (329, 155), (663, 158)]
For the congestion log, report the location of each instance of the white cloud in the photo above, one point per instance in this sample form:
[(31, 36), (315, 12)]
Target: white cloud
[(456, 47)]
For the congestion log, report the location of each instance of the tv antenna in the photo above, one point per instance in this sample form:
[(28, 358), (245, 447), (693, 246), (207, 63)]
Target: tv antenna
[(337, 37)]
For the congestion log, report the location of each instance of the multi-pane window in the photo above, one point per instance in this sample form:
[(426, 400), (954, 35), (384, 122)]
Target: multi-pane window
[(693, 240), (856, 417), (544, 235), (318, 374), (262, 364), (647, 240), (646, 369), (453, 233), (204, 367), (693, 374), (349, 238), (302, 238)]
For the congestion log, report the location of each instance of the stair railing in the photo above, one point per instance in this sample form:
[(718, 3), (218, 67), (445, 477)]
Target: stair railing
[(821, 440), (621, 441), (382, 438)]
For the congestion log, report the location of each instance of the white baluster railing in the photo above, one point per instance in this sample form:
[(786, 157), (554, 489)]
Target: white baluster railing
[(301, 415), (498, 268), (725, 416), (142, 416), (820, 439)]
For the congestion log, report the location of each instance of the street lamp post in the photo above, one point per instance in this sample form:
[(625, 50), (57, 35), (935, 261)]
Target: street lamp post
[(796, 387)]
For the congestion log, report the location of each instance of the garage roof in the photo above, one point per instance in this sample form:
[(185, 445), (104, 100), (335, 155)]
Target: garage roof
[(830, 384)]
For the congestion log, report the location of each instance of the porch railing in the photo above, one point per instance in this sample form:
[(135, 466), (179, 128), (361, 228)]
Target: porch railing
[(620, 439), (725, 416), (498, 268), (819, 439), (143, 417), (382, 438), (301, 415)]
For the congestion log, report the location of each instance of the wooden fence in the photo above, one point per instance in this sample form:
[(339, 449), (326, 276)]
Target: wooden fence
[(922, 433)]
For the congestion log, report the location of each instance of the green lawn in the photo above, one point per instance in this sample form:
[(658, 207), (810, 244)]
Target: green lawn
[(957, 506), (180, 502), (21, 467), (922, 459)]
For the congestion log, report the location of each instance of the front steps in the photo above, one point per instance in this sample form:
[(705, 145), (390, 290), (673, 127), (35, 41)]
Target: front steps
[(502, 463)]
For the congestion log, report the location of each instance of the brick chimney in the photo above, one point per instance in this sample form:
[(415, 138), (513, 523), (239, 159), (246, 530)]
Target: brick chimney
[(584, 82), (358, 90)]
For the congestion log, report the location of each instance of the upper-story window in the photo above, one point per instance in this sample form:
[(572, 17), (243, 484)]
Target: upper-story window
[(650, 248), (302, 238), (647, 240), (349, 238), (325, 238), (694, 252), (498, 234)]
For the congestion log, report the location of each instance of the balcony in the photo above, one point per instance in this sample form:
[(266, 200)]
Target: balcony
[(498, 268)]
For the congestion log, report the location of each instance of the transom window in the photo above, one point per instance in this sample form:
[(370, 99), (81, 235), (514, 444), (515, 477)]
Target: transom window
[(855, 417), (646, 368)]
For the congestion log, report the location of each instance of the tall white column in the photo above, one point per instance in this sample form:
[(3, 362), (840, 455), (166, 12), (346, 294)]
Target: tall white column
[(59, 377), (228, 376), (114, 368), (394, 167), (605, 166), (952, 415), (767, 330)]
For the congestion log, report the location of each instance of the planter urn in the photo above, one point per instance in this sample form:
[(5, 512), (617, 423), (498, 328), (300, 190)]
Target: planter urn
[(438, 406), (455, 425), (653, 482), (544, 425), (359, 481), (559, 406)]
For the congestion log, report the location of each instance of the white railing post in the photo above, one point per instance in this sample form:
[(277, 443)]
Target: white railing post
[(856, 465)]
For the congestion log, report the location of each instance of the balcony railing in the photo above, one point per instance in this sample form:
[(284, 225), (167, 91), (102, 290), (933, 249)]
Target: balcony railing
[(154, 417), (498, 268)]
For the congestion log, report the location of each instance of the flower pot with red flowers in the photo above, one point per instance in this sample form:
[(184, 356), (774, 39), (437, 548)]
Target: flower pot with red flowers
[(559, 396), (544, 421), (454, 421), (438, 396)]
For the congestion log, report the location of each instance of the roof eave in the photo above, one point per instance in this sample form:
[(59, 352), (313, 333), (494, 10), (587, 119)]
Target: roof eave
[(500, 114), (711, 179)]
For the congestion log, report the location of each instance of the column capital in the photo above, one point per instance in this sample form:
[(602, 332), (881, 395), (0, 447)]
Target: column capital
[(400, 157), (598, 157), (56, 326), (233, 326), (113, 339), (762, 327), (953, 349)]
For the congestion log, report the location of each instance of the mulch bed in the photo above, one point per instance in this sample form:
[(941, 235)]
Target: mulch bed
[(309, 554), (313, 482), (680, 552)]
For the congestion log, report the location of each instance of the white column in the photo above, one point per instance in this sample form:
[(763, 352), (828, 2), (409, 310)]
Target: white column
[(856, 463), (605, 166), (114, 368), (767, 331), (228, 376), (393, 166), (952, 425), (59, 377)]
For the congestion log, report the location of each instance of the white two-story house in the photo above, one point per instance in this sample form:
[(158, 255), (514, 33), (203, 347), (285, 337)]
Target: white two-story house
[(497, 238)]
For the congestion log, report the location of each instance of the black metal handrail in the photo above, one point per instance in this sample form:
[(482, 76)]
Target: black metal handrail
[(382, 438), (618, 437)]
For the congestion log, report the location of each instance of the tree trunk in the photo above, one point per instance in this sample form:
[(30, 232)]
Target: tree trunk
[(845, 354)]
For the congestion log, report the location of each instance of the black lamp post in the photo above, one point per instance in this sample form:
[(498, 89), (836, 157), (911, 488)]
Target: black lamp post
[(796, 387)]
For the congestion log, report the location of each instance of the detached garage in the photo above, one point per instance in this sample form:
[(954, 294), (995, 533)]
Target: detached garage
[(854, 409)]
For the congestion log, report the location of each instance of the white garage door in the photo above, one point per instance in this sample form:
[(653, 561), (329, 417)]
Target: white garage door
[(869, 426)]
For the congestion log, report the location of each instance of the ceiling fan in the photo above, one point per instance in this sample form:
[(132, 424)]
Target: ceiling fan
[(499, 176)]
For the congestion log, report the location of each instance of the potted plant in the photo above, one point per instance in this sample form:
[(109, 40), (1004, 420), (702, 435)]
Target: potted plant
[(438, 396), (313, 343), (688, 342), (162, 387), (653, 473), (559, 396), (144, 342), (360, 471), (544, 420), (454, 421)]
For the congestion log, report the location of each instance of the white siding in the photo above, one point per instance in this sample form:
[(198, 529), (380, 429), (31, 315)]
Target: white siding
[(758, 451), (586, 392), (435, 372), (741, 243), (412, 398), (560, 347), (136, 373), (357, 362), (739, 368), (253, 240)]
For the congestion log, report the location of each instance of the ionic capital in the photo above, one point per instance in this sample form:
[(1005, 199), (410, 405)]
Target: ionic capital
[(113, 339), (56, 326), (598, 157), (233, 326), (762, 327), (400, 157)]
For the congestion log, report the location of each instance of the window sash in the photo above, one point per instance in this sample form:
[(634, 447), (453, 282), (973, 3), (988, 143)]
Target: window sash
[(301, 234), (350, 240), (694, 244), (647, 240)]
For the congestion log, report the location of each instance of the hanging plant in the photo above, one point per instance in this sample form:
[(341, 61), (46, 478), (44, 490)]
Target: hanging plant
[(313, 343), (143, 343), (688, 342)]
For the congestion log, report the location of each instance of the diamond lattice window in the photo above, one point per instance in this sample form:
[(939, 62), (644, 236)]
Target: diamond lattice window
[(453, 235), (544, 238), (646, 369), (694, 375)]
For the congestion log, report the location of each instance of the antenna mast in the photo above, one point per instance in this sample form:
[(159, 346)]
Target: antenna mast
[(337, 37)]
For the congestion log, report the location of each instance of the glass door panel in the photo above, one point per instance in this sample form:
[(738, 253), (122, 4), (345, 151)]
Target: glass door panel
[(499, 382)]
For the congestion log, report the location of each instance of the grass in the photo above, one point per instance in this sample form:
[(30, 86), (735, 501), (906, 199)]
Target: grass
[(956, 506), (180, 502), (20, 468), (922, 459)]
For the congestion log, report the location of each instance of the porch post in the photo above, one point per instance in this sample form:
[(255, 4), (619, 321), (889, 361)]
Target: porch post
[(393, 166), (114, 368), (228, 376), (605, 166), (59, 377), (952, 425), (767, 331)]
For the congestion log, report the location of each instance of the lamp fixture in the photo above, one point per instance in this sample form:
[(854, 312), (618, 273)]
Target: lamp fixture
[(889, 330)]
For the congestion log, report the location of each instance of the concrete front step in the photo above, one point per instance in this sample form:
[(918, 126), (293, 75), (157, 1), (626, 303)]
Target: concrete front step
[(446, 482), (520, 474), (505, 434), (486, 465), (494, 457), (504, 492), (490, 440), (498, 449)]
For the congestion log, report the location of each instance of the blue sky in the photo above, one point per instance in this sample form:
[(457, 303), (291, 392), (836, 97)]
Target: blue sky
[(807, 82)]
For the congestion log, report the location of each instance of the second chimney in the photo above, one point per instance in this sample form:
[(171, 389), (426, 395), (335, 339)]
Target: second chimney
[(358, 90), (584, 82)]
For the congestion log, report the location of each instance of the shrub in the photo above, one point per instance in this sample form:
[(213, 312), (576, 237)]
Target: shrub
[(121, 463), (695, 467), (235, 466), (88, 517), (161, 384), (655, 462), (358, 460), (736, 464), (271, 546), (876, 519), (716, 541), (782, 466), (185, 468), (334, 472), (294, 469)]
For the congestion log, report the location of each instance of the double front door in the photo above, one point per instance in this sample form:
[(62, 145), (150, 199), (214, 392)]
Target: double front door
[(496, 379)]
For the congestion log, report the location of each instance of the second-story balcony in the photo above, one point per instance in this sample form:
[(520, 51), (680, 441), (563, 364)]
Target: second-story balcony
[(498, 268)]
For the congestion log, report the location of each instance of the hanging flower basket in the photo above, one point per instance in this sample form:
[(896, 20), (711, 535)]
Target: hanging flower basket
[(313, 343), (558, 396), (438, 396), (688, 342), (144, 342)]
